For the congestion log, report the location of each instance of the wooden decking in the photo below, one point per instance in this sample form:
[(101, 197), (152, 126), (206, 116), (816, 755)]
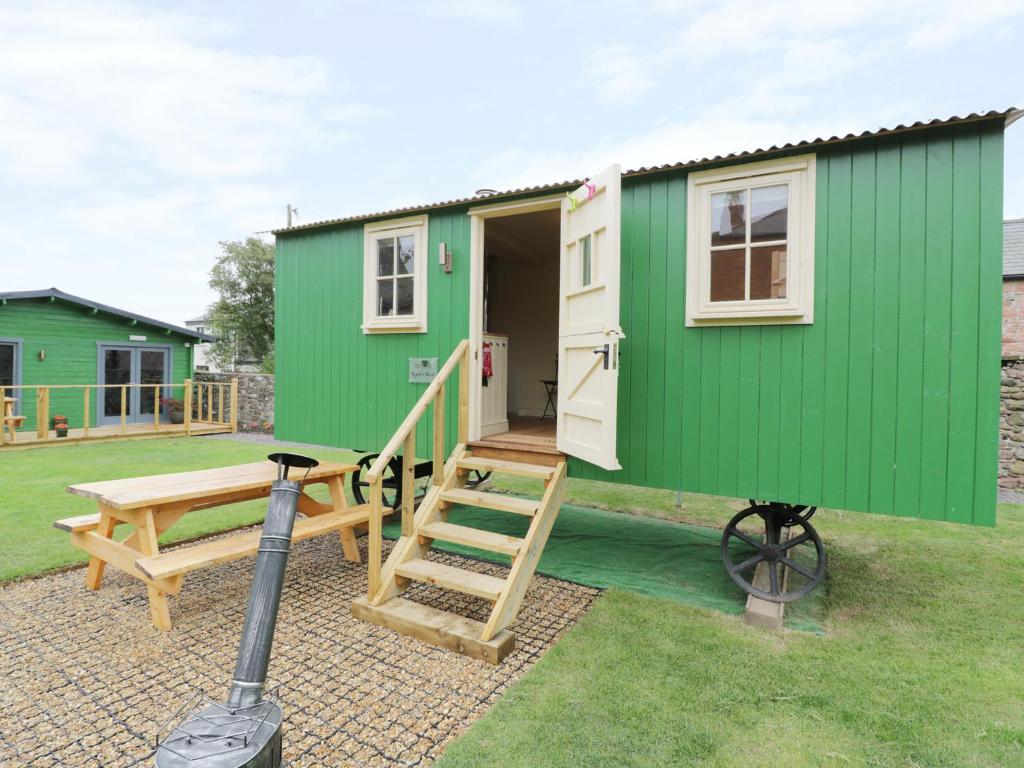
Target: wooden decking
[(528, 440), (29, 439)]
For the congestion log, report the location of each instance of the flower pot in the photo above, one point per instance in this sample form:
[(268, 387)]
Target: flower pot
[(62, 430), (176, 417)]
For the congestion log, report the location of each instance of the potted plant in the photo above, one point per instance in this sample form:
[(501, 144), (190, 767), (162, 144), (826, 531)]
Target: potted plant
[(60, 424), (175, 410)]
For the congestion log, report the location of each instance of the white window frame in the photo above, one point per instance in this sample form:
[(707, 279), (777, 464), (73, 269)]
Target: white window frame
[(798, 306), (416, 322)]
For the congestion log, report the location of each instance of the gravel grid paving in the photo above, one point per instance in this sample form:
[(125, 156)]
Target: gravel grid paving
[(85, 680)]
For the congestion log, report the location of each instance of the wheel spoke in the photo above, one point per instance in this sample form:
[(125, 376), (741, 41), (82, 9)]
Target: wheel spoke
[(805, 536), (748, 539), (797, 567), (773, 578), (748, 562)]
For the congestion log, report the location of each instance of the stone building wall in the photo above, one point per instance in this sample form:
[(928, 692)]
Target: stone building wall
[(255, 398), (1011, 425), (1013, 318)]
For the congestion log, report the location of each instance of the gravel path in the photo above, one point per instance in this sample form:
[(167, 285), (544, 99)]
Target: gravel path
[(86, 681)]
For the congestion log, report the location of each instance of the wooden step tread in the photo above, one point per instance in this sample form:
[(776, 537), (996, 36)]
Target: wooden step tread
[(473, 537), (237, 546), (496, 501), (450, 577), (514, 468), (441, 628)]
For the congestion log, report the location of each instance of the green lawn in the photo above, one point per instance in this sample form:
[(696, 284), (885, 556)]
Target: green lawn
[(920, 664), (32, 494)]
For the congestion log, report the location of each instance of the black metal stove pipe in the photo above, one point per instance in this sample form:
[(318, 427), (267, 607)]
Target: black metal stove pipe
[(265, 596)]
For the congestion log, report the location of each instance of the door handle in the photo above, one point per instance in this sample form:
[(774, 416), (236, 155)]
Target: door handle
[(606, 351)]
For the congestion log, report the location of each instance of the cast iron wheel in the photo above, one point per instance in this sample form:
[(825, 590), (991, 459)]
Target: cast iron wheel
[(800, 510), (795, 566), (475, 477), (392, 490)]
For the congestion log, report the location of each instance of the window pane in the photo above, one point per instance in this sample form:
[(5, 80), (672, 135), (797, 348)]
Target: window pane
[(386, 256), (585, 259), (769, 213), (6, 366), (406, 254), (405, 292), (385, 297), (117, 369), (728, 217), (727, 274), (768, 272), (151, 371)]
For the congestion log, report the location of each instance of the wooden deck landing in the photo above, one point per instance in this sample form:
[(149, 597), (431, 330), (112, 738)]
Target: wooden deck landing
[(528, 440), (131, 432)]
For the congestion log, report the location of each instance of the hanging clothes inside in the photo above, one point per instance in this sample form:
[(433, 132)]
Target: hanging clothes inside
[(485, 363)]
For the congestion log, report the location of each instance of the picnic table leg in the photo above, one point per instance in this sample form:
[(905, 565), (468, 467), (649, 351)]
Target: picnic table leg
[(349, 545), (94, 573), (159, 611)]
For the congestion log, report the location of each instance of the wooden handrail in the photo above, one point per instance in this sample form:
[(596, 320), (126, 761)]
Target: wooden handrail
[(405, 437)]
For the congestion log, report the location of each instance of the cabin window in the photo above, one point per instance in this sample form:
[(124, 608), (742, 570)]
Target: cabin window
[(395, 276), (750, 244)]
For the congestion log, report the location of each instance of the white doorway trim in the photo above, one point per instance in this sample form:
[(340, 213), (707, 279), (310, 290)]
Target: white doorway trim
[(477, 219)]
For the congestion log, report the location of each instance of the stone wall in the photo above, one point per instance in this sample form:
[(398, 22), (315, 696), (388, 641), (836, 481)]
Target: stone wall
[(255, 398), (1013, 318), (1011, 425)]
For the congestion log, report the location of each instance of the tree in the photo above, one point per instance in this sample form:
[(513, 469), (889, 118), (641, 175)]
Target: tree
[(242, 318)]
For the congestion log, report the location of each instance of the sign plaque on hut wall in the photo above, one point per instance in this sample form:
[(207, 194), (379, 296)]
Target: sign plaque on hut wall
[(422, 370)]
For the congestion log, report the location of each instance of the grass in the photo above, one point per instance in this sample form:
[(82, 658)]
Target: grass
[(33, 496), (919, 666)]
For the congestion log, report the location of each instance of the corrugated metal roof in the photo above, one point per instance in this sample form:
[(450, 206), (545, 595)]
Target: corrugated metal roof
[(1009, 115), (54, 293), (1013, 248)]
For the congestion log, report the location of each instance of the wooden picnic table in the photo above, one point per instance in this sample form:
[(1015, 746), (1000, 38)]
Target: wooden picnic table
[(153, 504)]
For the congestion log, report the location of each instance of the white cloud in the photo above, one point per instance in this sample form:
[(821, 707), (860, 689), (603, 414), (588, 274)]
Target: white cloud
[(617, 74)]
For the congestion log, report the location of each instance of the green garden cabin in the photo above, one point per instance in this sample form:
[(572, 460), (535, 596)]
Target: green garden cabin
[(55, 342), (816, 323)]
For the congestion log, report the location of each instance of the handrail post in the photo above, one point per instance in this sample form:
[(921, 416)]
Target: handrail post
[(374, 544), (85, 411), (43, 413), (156, 407), (408, 482), (124, 407), (199, 401), (464, 397), (209, 401), (187, 406), (234, 404), (439, 435)]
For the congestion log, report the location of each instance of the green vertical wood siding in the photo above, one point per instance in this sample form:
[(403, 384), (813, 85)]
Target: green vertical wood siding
[(887, 403), (69, 333)]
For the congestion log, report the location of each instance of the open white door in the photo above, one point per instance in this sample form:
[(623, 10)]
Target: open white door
[(588, 321)]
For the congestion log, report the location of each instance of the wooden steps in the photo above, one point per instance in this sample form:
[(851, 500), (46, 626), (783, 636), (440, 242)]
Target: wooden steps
[(501, 467), (488, 640), (437, 627), (495, 501), (450, 577), (473, 537), (517, 453)]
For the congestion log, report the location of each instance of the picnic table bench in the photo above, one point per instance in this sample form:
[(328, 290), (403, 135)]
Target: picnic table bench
[(153, 504)]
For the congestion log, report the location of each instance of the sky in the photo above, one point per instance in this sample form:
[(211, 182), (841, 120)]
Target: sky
[(136, 136)]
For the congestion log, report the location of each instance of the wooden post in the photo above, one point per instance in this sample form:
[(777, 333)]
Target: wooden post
[(199, 401), (408, 482), (156, 408), (234, 404), (188, 407), (439, 434), (209, 402), (464, 397), (220, 402), (85, 411), (373, 545), (43, 413), (124, 407)]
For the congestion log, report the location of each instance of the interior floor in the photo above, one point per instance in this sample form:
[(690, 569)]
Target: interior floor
[(526, 431)]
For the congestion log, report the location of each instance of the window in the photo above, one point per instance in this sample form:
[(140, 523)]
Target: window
[(395, 276), (750, 244)]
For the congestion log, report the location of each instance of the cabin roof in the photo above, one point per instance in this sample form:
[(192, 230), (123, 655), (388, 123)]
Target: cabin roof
[(1013, 248), (1009, 115), (54, 293)]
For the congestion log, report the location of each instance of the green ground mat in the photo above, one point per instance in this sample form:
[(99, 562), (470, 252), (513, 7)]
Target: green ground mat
[(610, 549)]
